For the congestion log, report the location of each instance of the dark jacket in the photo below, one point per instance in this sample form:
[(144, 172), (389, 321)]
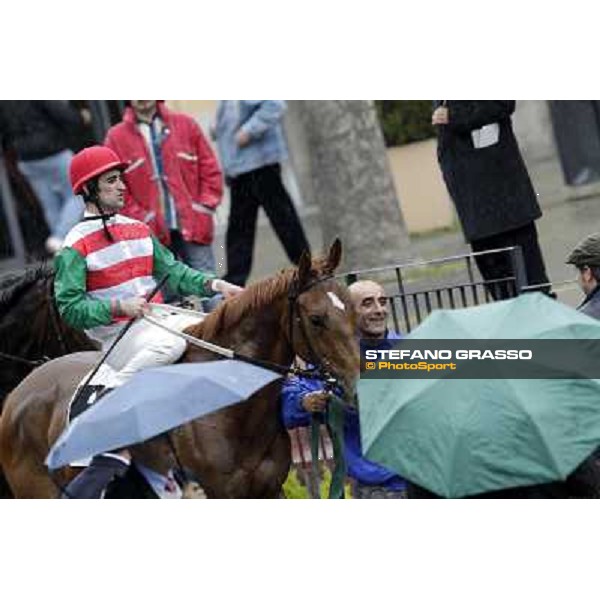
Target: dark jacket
[(36, 129), (92, 481), (490, 186), (591, 304), (132, 485), (110, 478)]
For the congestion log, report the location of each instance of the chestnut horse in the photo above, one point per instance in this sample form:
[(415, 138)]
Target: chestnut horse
[(241, 451)]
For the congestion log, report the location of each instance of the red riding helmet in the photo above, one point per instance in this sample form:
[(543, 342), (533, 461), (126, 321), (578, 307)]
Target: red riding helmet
[(90, 163)]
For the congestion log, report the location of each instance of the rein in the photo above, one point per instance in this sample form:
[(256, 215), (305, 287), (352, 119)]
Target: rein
[(25, 361), (314, 372), (335, 408)]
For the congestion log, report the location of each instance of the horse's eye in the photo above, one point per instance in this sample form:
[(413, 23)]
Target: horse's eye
[(317, 320)]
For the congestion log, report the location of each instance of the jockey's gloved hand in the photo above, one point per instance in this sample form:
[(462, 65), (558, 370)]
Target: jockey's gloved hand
[(133, 307), (224, 287)]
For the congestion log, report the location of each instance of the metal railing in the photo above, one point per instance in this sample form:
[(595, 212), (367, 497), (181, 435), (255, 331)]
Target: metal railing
[(417, 288)]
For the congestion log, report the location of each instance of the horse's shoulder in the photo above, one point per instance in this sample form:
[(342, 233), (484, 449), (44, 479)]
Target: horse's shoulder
[(83, 358)]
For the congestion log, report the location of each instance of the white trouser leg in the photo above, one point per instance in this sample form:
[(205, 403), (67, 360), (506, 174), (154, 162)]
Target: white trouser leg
[(147, 345)]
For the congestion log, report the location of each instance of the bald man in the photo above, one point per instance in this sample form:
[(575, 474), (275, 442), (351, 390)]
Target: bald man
[(371, 307), (301, 397)]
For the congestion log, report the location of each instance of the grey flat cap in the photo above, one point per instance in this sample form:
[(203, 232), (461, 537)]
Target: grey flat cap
[(587, 252)]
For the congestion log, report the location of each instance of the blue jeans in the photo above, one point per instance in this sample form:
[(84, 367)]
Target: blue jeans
[(197, 256), (49, 178)]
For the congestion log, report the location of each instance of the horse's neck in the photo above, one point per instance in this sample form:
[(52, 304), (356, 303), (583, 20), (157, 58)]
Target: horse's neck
[(261, 335)]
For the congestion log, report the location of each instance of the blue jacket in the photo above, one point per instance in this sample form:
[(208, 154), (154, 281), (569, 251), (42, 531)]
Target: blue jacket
[(359, 468), (261, 119)]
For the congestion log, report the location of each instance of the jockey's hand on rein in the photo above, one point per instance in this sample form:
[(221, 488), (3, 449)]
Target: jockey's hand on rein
[(134, 307), (315, 401), (227, 289)]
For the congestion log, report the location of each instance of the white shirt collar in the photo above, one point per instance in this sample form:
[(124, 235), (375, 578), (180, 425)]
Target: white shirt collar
[(158, 482)]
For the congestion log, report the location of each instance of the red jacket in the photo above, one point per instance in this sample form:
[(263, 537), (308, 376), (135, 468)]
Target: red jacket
[(191, 170)]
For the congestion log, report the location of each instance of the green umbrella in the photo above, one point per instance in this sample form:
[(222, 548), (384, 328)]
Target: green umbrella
[(458, 437)]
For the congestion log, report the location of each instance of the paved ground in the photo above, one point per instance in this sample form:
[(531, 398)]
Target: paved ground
[(569, 214)]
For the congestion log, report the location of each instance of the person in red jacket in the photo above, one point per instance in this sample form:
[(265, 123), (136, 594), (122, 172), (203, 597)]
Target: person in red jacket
[(174, 182)]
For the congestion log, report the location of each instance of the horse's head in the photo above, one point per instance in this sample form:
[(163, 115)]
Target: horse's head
[(320, 319)]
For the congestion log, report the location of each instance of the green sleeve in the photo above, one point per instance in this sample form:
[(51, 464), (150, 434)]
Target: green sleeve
[(75, 306), (182, 279)]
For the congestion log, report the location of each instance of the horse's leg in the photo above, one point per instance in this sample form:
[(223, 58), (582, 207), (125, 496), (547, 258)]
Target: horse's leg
[(28, 480), (23, 444), (267, 480)]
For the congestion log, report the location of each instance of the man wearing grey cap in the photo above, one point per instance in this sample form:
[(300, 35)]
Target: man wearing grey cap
[(586, 257)]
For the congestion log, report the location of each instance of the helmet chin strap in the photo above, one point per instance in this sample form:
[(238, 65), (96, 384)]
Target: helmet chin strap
[(93, 196)]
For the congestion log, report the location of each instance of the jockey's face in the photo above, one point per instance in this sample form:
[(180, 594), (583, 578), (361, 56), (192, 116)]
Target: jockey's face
[(371, 307), (111, 190)]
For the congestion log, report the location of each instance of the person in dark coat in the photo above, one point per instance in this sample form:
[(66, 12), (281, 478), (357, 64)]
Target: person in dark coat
[(39, 132), (490, 187), (586, 258), (145, 471)]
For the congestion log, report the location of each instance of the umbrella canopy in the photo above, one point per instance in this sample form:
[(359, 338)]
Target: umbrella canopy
[(154, 401), (464, 437)]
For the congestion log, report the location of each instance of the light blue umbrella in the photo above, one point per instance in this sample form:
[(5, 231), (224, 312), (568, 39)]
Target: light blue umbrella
[(155, 401)]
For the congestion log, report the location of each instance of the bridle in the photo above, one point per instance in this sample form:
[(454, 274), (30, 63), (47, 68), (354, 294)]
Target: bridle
[(335, 411), (319, 369)]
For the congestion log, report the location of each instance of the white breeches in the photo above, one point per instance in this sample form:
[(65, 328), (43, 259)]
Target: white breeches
[(146, 345)]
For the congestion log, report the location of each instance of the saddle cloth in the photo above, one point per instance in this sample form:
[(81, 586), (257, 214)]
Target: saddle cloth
[(88, 395)]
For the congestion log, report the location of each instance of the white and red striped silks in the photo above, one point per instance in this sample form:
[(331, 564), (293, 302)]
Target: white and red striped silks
[(117, 269)]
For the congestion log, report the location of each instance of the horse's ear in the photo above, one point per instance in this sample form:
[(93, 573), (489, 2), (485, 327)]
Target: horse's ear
[(335, 255), (304, 267)]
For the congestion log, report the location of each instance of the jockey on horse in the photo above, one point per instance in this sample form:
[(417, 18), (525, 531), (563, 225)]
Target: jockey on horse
[(108, 265)]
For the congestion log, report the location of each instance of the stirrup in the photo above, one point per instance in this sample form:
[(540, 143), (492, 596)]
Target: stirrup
[(97, 392), (101, 393)]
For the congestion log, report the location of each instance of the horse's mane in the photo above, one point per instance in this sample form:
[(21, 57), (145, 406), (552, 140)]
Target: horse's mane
[(256, 296), (14, 285)]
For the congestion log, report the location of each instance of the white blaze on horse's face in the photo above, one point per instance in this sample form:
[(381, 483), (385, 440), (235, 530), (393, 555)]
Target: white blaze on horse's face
[(111, 190), (335, 300)]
